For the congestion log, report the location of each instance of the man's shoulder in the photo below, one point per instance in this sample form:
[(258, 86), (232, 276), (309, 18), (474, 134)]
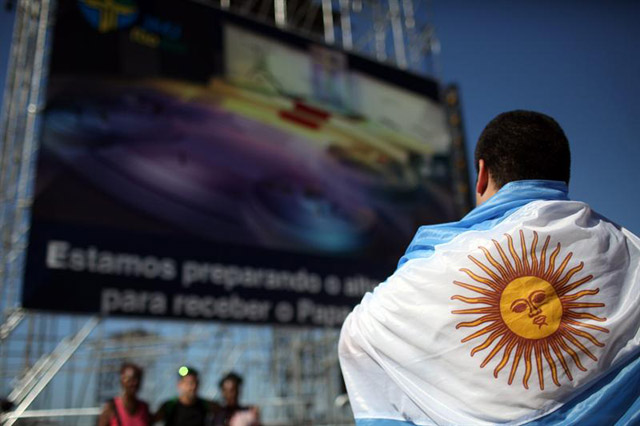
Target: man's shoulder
[(170, 401), (211, 404), (565, 219), (207, 404), (176, 401), (168, 405), (484, 219)]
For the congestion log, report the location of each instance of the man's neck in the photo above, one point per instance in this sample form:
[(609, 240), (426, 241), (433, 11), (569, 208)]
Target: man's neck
[(129, 401), (184, 400)]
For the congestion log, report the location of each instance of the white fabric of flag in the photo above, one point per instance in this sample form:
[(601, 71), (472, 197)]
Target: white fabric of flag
[(502, 323)]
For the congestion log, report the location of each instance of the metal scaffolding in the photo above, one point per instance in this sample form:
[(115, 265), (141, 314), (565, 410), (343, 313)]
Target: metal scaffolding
[(58, 369), (396, 32)]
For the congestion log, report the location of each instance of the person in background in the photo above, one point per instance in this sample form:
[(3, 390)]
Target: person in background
[(126, 409), (5, 407), (187, 409), (232, 413)]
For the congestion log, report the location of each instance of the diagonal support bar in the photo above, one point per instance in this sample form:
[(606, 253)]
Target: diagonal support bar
[(13, 320), (48, 369)]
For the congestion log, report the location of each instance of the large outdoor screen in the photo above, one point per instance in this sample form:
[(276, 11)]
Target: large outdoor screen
[(198, 165)]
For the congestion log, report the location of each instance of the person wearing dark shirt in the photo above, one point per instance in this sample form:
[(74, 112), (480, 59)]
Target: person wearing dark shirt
[(187, 409), (232, 413)]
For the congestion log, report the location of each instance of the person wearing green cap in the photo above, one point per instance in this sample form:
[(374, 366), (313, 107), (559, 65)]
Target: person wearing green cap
[(187, 409)]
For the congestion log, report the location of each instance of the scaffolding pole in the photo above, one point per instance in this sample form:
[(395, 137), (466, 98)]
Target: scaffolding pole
[(37, 380)]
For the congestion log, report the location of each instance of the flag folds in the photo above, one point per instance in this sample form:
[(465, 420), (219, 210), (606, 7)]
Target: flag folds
[(526, 310)]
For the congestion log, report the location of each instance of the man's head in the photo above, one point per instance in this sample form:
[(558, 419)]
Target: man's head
[(188, 382), (130, 378), (520, 145), (230, 388)]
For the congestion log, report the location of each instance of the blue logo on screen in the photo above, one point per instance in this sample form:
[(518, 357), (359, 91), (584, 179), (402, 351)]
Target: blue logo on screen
[(109, 15)]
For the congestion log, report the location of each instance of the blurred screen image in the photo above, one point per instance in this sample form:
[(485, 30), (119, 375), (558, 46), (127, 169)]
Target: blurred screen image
[(197, 126)]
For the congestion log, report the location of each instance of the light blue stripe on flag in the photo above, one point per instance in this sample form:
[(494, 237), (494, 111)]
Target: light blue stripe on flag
[(613, 400), (505, 202)]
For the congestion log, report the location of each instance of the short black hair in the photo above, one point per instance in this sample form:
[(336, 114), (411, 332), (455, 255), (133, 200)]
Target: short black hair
[(135, 367), (233, 377), (185, 371), (519, 145)]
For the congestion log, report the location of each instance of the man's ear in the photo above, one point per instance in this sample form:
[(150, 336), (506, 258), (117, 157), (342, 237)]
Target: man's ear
[(483, 179)]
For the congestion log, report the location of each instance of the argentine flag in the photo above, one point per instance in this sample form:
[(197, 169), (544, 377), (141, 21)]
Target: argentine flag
[(525, 311)]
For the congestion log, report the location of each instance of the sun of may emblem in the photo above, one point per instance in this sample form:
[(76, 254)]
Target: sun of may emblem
[(533, 310)]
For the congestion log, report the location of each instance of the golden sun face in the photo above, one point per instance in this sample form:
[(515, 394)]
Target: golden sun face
[(529, 310)]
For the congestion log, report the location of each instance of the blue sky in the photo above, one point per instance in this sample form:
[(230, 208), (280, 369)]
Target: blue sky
[(577, 61)]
